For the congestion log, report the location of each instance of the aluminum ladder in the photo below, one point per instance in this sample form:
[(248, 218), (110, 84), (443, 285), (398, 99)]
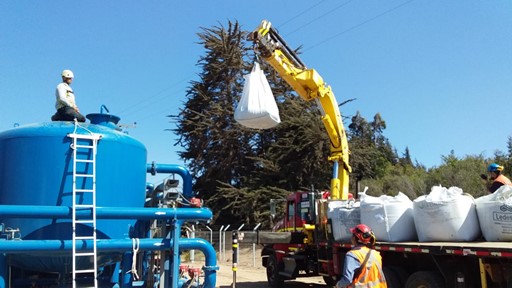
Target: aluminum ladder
[(84, 148)]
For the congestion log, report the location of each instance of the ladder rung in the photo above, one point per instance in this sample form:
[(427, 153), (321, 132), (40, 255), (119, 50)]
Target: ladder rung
[(84, 254), (85, 175), (84, 238), (84, 160), (85, 136), (84, 206), (91, 221), (84, 190), (85, 271), (84, 146)]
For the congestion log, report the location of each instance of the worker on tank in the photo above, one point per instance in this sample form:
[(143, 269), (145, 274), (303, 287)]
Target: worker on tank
[(67, 110), (363, 264), (497, 179)]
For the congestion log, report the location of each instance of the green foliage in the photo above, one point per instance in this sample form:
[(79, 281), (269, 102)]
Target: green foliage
[(216, 149), (463, 173), (247, 204), (371, 152), (407, 179)]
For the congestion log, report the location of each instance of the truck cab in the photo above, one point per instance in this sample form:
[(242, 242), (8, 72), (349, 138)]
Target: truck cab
[(298, 257), (299, 210)]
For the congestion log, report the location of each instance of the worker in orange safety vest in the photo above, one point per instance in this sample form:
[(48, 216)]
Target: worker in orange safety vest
[(497, 178), (363, 265)]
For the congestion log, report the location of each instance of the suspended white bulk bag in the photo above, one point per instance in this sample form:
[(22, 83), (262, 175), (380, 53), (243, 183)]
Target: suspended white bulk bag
[(390, 218), (257, 107), (343, 215), (446, 215), (495, 214)]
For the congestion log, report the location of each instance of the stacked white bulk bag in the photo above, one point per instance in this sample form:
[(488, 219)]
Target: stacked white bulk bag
[(495, 214), (390, 218), (446, 215), (343, 215)]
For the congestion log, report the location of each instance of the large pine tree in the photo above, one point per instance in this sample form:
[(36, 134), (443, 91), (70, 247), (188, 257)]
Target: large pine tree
[(215, 148), (238, 170)]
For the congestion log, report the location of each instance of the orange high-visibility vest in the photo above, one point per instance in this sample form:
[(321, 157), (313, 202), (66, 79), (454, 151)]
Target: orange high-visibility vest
[(371, 274), (503, 180)]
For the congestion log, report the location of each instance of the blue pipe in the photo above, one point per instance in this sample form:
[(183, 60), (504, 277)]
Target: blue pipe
[(150, 187), (4, 271), (106, 245), (154, 168), (64, 212), (115, 275), (175, 258), (126, 268)]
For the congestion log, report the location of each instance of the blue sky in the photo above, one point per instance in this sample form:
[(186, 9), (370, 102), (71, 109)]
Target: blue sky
[(439, 72)]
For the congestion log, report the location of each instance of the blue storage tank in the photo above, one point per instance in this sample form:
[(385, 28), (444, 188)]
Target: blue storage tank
[(36, 168)]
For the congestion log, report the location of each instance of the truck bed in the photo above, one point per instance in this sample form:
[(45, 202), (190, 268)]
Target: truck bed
[(480, 249)]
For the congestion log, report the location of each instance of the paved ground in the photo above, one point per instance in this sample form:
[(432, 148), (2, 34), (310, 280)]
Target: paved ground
[(248, 276), (255, 277)]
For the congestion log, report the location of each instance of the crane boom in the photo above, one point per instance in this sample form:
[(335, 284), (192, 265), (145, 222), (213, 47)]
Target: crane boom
[(309, 85)]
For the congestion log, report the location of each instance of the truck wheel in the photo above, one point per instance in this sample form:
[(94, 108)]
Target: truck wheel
[(330, 280), (425, 279), (274, 279)]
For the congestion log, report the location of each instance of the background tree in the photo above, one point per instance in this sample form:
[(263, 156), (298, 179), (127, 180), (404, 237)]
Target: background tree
[(236, 170), (406, 159), (463, 173), (371, 153), (217, 151)]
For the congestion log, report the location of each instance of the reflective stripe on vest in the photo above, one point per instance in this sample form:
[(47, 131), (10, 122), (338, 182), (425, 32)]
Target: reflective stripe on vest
[(371, 275)]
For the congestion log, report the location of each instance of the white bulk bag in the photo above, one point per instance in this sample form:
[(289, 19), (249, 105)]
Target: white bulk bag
[(343, 215), (390, 218), (495, 214), (257, 107), (446, 215)]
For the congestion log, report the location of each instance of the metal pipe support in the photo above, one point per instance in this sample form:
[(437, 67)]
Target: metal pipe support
[(107, 245), (155, 168), (140, 213)]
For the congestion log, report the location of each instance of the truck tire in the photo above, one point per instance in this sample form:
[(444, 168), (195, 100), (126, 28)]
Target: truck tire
[(425, 279), (274, 279)]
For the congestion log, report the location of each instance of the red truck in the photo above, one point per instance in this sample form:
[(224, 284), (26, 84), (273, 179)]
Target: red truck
[(306, 248)]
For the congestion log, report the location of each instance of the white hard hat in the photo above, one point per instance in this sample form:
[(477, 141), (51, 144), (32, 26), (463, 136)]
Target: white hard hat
[(67, 74)]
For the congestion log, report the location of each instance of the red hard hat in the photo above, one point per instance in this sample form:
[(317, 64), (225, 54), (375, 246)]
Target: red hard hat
[(363, 233)]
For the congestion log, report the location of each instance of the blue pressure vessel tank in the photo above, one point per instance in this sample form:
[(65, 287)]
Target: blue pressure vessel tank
[(36, 168)]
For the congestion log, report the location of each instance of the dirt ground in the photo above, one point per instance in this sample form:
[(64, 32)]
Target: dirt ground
[(247, 275)]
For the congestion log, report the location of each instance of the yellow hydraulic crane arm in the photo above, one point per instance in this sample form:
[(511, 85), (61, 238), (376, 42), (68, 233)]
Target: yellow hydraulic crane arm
[(310, 86)]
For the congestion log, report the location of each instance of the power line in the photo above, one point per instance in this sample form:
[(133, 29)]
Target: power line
[(319, 17), (360, 24), (301, 13), (142, 104), (150, 100)]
